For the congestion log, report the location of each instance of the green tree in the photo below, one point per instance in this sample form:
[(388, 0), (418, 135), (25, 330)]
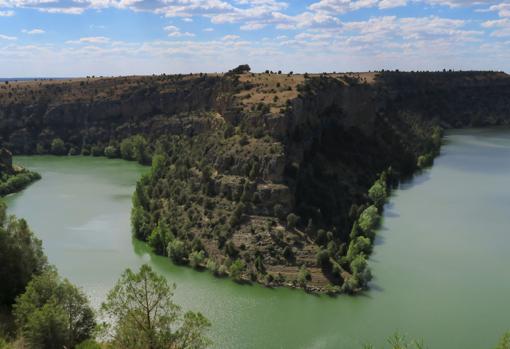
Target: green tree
[(58, 147), (196, 258), (127, 151), (303, 276), (378, 193), (145, 316), (504, 342), (368, 220), (21, 256), (53, 313), (292, 220), (236, 269), (177, 251), (111, 152)]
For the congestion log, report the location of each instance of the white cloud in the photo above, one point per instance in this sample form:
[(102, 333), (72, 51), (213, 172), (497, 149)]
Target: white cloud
[(90, 40), (8, 13), (174, 31), (230, 37), (33, 31), (7, 37)]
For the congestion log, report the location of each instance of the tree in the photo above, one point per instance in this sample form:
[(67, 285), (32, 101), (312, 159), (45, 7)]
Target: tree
[(360, 270), (504, 342), (292, 220), (21, 256), (58, 147), (111, 152), (196, 258), (378, 193), (145, 316), (303, 276), (236, 269), (368, 220), (127, 150), (177, 251), (53, 313)]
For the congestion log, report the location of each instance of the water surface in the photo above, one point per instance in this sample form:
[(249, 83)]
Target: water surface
[(441, 260)]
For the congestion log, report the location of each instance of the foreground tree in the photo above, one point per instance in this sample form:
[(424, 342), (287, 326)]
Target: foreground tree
[(53, 313), (145, 316), (21, 257)]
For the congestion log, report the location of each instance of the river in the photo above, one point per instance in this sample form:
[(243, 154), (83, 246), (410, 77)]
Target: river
[(441, 260)]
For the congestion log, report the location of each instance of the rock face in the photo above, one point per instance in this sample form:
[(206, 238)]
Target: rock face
[(6, 161), (270, 169)]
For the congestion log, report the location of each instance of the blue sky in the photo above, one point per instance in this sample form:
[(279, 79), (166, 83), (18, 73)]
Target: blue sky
[(121, 37)]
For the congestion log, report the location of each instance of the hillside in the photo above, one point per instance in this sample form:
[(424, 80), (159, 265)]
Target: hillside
[(273, 178)]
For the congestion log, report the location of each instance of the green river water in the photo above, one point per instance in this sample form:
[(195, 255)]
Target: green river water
[(441, 260)]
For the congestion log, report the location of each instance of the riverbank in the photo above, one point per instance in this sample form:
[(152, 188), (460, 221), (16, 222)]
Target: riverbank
[(13, 178), (429, 262)]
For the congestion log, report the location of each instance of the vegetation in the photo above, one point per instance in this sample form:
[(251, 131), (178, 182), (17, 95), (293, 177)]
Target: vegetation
[(53, 313), (239, 174), (58, 147), (40, 310), (21, 257), (145, 315), (16, 182)]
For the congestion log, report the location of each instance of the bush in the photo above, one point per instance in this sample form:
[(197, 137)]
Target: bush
[(378, 193), (236, 269), (303, 276), (97, 150), (323, 259), (196, 259), (177, 251), (58, 147), (292, 220), (73, 151), (368, 220), (111, 152)]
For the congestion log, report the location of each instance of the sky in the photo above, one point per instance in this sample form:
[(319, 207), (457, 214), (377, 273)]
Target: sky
[(68, 38)]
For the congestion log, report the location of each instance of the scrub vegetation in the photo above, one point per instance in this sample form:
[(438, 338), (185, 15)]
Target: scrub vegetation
[(13, 178)]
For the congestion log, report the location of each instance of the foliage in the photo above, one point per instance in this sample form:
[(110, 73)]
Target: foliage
[(111, 152), (292, 220), (58, 147), (504, 342), (177, 251), (16, 182), (398, 341), (21, 256), (236, 269), (145, 316), (303, 276), (368, 220), (378, 193), (196, 258), (53, 313), (135, 148)]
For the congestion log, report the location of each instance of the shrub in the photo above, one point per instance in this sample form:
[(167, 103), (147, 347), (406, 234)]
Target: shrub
[(58, 147), (236, 269), (97, 150), (378, 193), (303, 276), (111, 152), (322, 259), (177, 251), (368, 220), (292, 220), (196, 259)]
